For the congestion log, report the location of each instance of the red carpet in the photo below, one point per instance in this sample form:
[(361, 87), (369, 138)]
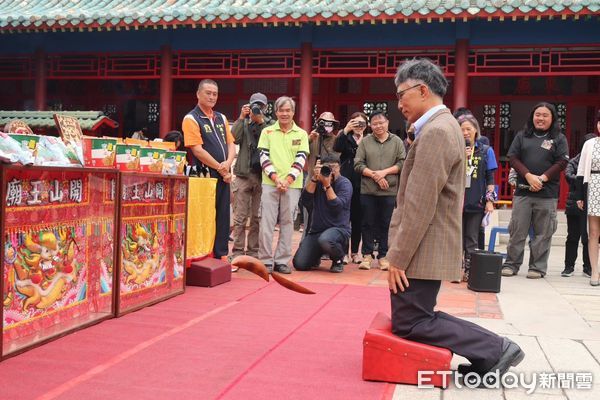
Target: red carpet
[(241, 340)]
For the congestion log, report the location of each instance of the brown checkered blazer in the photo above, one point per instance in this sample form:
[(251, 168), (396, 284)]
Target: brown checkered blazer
[(425, 236)]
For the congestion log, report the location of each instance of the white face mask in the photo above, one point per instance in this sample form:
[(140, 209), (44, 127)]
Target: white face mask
[(329, 129)]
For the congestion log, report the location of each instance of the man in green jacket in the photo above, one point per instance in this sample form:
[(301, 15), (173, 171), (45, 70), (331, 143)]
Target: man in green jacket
[(247, 183), (379, 160)]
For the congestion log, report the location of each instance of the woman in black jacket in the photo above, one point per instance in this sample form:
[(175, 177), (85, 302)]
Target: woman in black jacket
[(576, 220), (346, 144)]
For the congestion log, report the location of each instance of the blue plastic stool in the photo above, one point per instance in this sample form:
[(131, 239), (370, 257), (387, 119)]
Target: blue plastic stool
[(501, 229), (493, 233)]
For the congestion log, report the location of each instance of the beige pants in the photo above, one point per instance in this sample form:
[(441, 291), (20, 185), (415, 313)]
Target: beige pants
[(246, 204), (276, 206)]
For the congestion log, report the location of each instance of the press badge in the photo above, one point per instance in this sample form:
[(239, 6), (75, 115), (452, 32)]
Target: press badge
[(470, 171), (547, 144)]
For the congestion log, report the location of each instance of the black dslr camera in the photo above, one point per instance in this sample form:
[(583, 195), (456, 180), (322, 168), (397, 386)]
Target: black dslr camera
[(256, 108), (325, 171), (322, 126)]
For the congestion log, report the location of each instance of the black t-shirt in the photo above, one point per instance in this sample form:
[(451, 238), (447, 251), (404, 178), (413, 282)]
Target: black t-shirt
[(538, 154)]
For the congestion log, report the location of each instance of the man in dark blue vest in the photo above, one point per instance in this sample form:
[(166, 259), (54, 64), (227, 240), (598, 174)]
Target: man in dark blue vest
[(206, 132)]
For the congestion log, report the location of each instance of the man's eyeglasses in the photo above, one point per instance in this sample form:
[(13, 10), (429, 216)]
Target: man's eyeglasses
[(401, 93)]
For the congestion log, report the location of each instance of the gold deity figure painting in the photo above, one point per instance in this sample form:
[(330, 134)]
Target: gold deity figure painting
[(142, 261), (43, 270)]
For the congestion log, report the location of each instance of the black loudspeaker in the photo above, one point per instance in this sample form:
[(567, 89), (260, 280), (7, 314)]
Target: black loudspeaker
[(486, 272)]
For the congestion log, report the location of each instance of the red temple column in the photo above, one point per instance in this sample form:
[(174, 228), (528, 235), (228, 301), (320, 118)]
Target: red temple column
[(40, 80), (305, 98), (461, 73), (166, 90)]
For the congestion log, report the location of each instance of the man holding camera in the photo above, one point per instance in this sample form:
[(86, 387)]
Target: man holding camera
[(321, 140), (327, 196), (247, 183)]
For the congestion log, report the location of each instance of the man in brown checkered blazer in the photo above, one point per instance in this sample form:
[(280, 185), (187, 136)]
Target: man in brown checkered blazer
[(425, 231)]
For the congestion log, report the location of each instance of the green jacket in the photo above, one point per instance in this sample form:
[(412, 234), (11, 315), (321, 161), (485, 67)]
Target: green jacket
[(246, 134), (375, 155)]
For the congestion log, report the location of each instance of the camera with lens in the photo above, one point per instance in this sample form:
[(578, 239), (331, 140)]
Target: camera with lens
[(325, 171), (324, 127), (256, 108), (361, 124)]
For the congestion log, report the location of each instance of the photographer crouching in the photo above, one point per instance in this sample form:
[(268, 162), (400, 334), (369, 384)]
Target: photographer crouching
[(327, 196)]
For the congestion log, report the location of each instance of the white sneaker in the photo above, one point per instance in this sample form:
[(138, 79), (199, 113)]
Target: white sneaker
[(366, 262)]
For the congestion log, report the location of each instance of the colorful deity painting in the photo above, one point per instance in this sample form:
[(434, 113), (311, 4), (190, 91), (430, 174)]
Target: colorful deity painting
[(178, 248), (106, 258), (142, 256), (44, 270)]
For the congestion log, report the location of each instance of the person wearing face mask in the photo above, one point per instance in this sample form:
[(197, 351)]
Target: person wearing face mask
[(379, 160), (321, 140), (327, 196), (346, 144), (539, 153)]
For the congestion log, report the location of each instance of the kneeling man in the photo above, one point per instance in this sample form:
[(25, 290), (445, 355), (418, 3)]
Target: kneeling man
[(327, 196)]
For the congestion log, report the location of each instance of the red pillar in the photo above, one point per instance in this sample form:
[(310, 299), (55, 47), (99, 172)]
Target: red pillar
[(40, 80), (166, 90), (305, 98), (461, 73)]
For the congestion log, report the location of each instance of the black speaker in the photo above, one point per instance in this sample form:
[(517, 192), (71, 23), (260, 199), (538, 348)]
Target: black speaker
[(486, 272)]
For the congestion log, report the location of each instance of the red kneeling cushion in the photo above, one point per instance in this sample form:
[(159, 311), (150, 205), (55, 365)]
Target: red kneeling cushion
[(208, 272), (389, 358)]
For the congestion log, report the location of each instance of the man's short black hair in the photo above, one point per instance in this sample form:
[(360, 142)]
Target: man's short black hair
[(377, 113), (330, 159)]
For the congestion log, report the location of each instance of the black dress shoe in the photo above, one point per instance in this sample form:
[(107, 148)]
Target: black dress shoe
[(283, 269), (512, 355)]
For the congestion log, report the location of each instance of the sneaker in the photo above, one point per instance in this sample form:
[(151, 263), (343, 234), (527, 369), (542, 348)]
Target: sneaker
[(508, 271), (356, 258), (568, 271), (366, 262), (345, 260), (384, 264), (587, 271), (337, 267), (269, 267), (283, 269), (532, 274)]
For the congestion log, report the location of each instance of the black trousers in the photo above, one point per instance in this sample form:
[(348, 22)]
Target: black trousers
[(223, 200), (413, 319), (377, 214), (332, 241), (481, 238), (576, 229), (471, 224)]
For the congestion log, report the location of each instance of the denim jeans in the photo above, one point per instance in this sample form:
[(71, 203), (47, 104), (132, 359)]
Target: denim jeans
[(332, 241)]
